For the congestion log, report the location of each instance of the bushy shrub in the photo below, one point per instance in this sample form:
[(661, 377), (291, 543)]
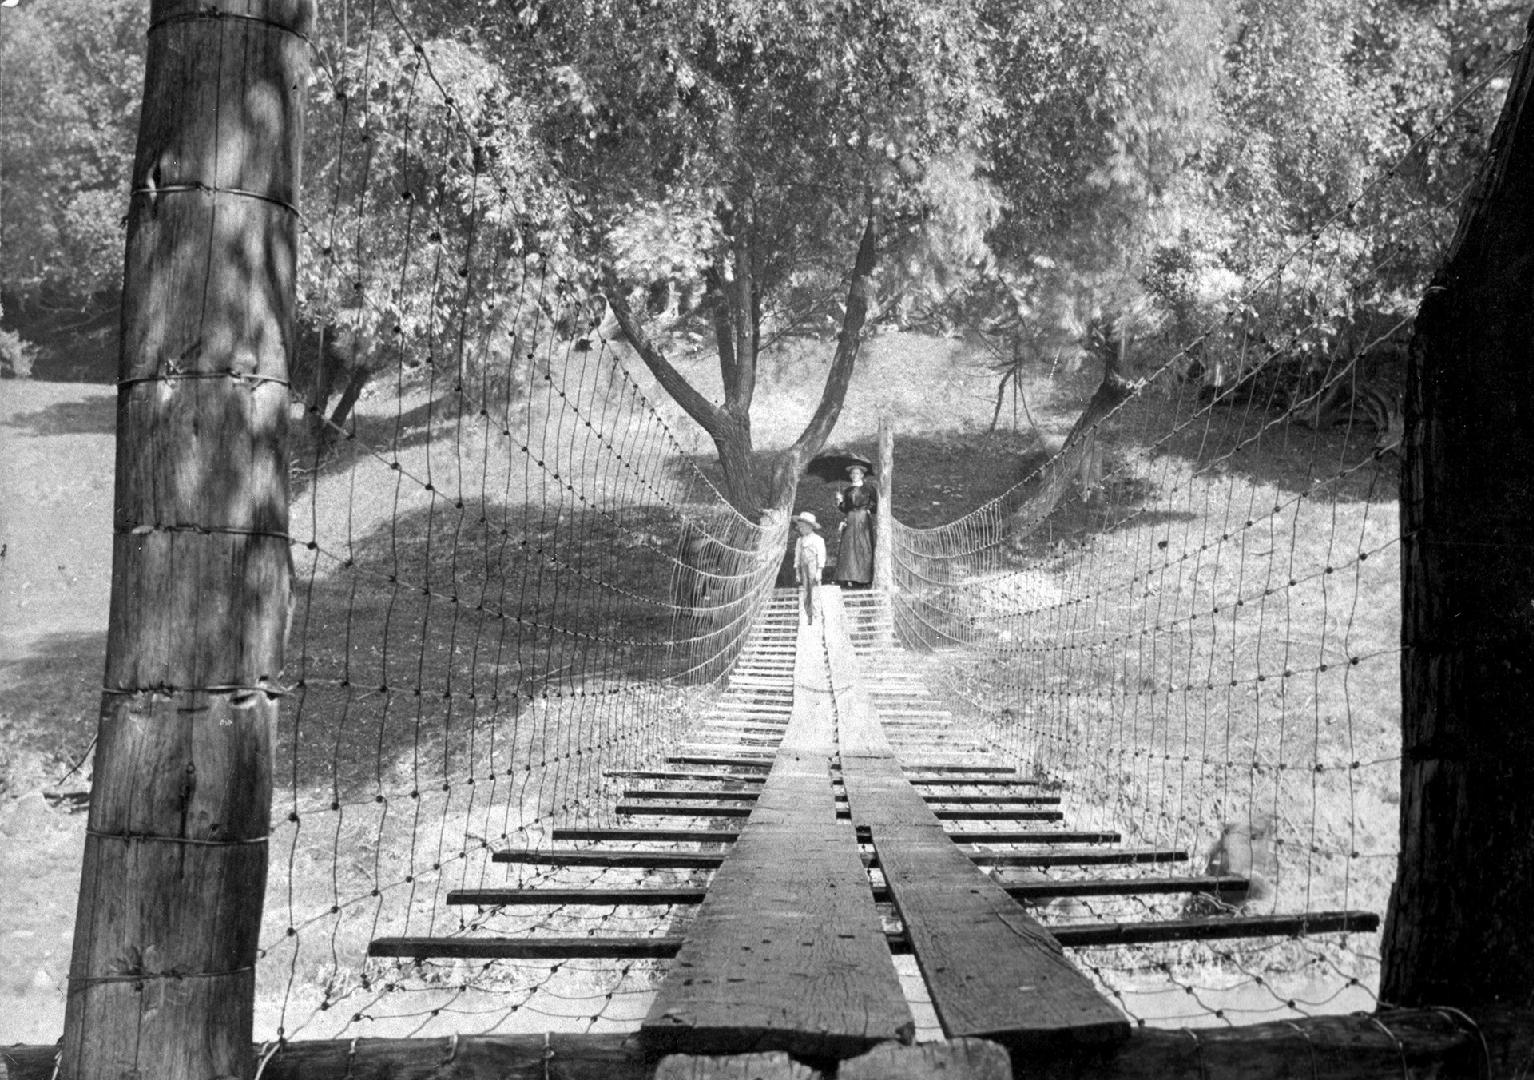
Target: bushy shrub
[(17, 355)]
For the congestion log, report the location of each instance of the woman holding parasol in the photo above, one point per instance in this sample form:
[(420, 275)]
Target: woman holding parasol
[(858, 501)]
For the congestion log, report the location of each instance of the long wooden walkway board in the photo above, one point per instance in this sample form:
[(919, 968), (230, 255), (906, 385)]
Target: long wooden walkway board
[(786, 951), (992, 970)]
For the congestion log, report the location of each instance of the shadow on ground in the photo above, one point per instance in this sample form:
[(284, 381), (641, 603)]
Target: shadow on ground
[(96, 416), (48, 705), (1261, 445)]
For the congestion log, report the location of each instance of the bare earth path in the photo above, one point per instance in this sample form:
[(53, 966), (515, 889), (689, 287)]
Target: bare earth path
[(56, 453)]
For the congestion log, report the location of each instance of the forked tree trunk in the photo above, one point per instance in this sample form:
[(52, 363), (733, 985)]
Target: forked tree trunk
[(161, 981), (1458, 931), (737, 336)]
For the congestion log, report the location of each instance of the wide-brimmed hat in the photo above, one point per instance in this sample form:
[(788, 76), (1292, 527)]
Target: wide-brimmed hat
[(808, 518)]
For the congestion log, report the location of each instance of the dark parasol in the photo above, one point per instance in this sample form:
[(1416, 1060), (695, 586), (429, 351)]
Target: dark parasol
[(832, 466)]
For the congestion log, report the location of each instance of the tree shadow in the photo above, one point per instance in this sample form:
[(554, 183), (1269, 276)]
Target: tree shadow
[(431, 642), (74, 345), (49, 700), (312, 455), (96, 415), (1263, 444)]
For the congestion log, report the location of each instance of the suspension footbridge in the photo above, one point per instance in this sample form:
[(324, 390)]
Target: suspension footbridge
[(478, 734)]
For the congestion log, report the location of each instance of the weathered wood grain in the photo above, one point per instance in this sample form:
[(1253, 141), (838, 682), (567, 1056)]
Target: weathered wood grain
[(613, 860), (1085, 935), (525, 948), (957, 1059), (592, 896), (1399, 1044), (992, 971), (682, 774), (1458, 925), (664, 895), (786, 951), (174, 870), (770, 1066)]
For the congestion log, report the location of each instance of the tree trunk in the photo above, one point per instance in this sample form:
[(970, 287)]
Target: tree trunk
[(1077, 449), (1457, 931), (813, 439), (355, 381), (730, 427), (162, 975)]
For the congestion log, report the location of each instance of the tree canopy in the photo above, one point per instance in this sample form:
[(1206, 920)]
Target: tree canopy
[(746, 170)]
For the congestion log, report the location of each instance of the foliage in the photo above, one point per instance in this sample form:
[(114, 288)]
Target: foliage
[(71, 73), (1160, 162), (16, 355), (1034, 164)]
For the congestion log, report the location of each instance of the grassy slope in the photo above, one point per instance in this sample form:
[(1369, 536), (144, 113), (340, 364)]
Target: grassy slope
[(946, 464)]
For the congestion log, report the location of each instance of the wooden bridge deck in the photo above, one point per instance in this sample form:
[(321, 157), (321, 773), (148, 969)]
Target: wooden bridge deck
[(847, 819)]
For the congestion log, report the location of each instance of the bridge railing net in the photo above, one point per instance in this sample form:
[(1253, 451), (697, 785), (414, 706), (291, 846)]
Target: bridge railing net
[(509, 574), (1199, 645)]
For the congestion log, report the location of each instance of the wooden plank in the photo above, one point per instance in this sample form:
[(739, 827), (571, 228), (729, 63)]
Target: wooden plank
[(962, 813), (589, 897), (992, 971), (1030, 836), (708, 860), (949, 767), (664, 895), (683, 774), (1140, 886), (529, 948), (684, 809), (746, 723), (1078, 857), (624, 947), (575, 834), (991, 800), (612, 860), (689, 793), (641, 833), (1085, 935), (771, 1066), (962, 781), (958, 1059), (735, 761), (786, 952)]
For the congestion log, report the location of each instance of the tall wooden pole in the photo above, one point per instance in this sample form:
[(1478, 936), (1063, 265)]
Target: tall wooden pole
[(884, 522), (1459, 930), (162, 978)]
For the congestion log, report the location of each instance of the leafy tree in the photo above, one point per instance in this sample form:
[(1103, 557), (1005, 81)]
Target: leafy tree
[(786, 149), (71, 73), (428, 191)]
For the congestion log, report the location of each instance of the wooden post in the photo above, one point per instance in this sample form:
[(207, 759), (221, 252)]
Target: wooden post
[(161, 982), (884, 523), (1458, 930)]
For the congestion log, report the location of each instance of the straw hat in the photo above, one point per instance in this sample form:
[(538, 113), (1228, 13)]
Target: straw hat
[(808, 518)]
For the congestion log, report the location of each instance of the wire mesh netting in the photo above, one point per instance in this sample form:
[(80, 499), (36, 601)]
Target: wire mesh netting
[(510, 575), (512, 578), (1187, 622)]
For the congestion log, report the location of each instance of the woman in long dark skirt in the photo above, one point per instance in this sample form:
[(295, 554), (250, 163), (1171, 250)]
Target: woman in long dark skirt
[(858, 502)]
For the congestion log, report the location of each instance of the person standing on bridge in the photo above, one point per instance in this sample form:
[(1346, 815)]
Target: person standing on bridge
[(858, 502), (809, 561)]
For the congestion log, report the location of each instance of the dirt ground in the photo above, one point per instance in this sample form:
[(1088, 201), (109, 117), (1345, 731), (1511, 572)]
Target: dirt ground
[(56, 454)]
